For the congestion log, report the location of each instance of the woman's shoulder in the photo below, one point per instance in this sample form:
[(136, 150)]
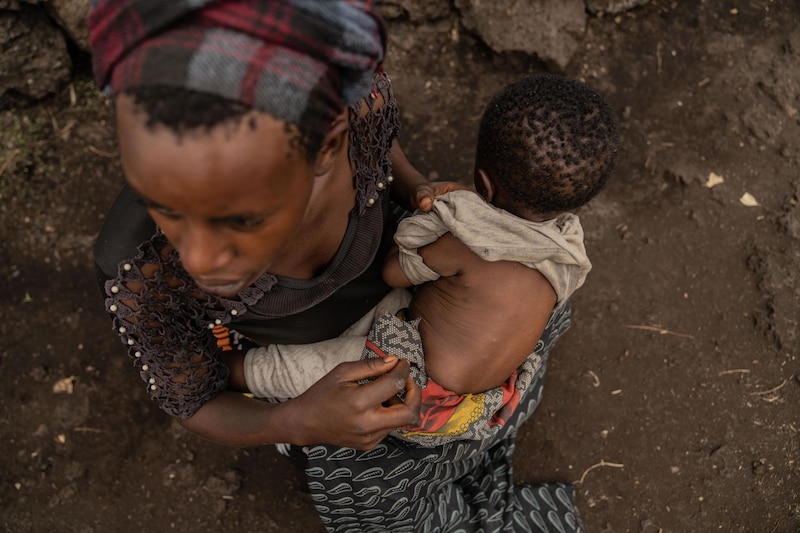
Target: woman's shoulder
[(380, 96), (127, 226)]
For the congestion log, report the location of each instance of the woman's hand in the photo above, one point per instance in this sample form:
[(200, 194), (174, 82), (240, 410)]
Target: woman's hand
[(411, 189), (337, 410), (426, 192)]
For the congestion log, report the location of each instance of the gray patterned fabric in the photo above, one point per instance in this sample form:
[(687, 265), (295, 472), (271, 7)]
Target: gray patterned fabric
[(464, 486), (396, 336)]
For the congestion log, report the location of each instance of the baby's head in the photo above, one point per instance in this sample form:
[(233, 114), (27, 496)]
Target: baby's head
[(546, 144)]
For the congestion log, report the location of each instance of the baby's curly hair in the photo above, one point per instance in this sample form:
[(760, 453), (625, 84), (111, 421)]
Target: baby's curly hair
[(548, 142)]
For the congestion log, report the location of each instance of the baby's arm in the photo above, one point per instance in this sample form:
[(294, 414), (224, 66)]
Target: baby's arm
[(393, 274), (283, 371)]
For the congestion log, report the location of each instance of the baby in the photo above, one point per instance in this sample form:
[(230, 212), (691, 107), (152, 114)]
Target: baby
[(489, 267)]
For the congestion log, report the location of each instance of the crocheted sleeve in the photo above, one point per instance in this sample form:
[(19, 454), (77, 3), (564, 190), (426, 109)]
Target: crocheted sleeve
[(374, 124), (160, 315)]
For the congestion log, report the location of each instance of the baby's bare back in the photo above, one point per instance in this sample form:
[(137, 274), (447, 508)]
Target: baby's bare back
[(481, 319)]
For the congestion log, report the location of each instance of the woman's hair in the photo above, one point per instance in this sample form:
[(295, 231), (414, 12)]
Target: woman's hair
[(184, 110), (548, 142)]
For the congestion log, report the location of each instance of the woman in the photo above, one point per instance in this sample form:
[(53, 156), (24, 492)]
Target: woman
[(271, 199)]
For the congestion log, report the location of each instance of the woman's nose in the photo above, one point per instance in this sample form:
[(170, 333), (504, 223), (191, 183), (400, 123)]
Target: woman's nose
[(203, 251)]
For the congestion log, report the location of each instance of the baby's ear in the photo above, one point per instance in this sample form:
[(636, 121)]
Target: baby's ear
[(484, 185), (333, 143)]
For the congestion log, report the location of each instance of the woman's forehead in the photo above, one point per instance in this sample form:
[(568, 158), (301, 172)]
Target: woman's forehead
[(241, 164)]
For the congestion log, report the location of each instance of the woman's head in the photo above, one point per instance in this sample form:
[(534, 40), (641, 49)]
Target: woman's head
[(229, 199), (227, 112)]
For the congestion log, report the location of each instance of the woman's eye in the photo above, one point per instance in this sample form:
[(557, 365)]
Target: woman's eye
[(163, 211), (244, 222)]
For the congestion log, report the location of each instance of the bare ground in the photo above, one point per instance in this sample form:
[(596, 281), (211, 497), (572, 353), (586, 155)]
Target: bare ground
[(673, 401)]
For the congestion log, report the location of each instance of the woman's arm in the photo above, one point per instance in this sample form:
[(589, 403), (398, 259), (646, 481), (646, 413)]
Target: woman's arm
[(190, 381), (410, 188), (336, 410), (407, 180)]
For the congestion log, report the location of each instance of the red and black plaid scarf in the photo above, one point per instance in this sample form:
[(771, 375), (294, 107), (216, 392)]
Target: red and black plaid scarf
[(288, 58)]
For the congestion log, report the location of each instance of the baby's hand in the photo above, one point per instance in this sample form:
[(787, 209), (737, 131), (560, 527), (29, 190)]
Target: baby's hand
[(426, 192)]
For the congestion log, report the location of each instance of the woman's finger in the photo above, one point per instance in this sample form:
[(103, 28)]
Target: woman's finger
[(356, 371)]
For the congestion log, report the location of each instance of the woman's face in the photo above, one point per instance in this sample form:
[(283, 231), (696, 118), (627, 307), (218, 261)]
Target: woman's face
[(229, 199)]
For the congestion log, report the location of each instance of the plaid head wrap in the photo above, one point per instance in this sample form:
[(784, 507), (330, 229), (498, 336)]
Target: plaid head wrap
[(300, 61)]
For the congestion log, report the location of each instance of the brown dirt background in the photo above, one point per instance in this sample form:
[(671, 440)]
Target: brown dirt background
[(674, 398)]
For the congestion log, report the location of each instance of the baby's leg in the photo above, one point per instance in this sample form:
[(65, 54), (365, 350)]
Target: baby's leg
[(283, 371)]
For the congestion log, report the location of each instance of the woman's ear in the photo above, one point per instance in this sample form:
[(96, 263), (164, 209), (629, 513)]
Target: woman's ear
[(484, 185), (334, 142)]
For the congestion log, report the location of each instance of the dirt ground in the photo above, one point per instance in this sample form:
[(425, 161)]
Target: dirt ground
[(672, 402)]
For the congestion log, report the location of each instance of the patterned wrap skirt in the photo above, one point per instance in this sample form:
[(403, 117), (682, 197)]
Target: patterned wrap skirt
[(460, 486)]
